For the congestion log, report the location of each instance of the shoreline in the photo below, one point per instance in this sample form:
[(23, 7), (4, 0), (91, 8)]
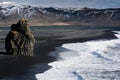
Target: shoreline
[(61, 24), (46, 41)]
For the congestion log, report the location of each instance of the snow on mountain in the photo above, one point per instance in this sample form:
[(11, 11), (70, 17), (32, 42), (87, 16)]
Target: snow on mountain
[(14, 11), (8, 8)]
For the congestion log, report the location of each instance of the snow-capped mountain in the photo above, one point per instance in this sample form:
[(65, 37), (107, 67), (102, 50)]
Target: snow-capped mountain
[(10, 12)]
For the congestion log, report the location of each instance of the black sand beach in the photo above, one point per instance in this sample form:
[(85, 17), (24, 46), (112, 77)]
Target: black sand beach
[(23, 68)]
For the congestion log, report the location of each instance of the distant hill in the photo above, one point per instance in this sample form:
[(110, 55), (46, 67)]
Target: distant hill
[(37, 15)]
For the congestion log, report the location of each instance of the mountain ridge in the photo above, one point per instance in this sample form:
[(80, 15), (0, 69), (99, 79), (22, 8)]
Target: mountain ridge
[(37, 15)]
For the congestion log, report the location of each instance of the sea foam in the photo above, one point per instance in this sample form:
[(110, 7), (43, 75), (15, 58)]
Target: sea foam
[(92, 60)]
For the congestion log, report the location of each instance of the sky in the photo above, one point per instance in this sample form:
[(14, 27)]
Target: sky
[(71, 3)]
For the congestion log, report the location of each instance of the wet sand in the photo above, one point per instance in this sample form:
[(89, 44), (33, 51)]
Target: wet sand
[(25, 68)]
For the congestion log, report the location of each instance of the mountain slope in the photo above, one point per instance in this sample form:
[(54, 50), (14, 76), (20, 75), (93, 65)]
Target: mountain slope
[(10, 12)]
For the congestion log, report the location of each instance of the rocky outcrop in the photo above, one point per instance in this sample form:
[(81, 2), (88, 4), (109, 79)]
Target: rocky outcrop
[(20, 40)]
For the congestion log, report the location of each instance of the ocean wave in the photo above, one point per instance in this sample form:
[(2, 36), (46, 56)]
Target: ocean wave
[(92, 60)]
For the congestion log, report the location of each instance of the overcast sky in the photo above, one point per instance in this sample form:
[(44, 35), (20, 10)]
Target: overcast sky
[(71, 3)]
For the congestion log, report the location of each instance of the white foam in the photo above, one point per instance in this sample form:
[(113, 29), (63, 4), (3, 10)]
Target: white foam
[(118, 33), (94, 60)]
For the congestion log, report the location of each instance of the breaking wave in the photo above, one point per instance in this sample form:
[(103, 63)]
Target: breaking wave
[(92, 60)]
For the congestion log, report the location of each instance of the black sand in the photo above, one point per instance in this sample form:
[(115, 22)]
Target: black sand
[(25, 68)]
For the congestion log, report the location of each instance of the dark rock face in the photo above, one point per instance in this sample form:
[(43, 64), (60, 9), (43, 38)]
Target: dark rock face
[(20, 40)]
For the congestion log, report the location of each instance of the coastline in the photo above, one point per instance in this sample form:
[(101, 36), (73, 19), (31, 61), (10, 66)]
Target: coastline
[(61, 24), (46, 41)]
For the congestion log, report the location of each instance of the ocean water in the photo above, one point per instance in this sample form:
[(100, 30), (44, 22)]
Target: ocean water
[(68, 27), (92, 60)]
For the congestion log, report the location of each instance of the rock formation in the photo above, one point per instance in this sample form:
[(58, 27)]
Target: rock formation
[(20, 40)]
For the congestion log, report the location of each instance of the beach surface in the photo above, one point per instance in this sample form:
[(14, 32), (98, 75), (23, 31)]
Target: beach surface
[(25, 68)]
